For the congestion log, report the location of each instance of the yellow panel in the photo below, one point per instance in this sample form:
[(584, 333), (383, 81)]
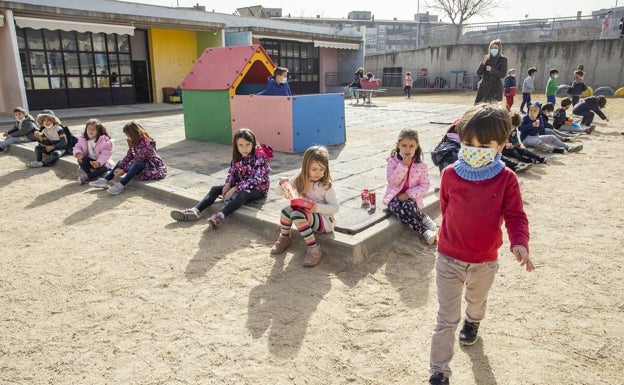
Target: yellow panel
[(261, 56), (173, 54)]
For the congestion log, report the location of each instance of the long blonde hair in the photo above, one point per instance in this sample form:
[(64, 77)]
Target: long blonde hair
[(317, 154)]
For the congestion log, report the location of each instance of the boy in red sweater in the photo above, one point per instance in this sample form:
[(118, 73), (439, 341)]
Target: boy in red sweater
[(476, 194)]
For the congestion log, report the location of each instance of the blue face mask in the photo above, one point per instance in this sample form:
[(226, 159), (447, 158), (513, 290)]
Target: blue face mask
[(494, 51)]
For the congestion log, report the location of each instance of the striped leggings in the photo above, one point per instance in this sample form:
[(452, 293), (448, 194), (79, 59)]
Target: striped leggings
[(305, 222)]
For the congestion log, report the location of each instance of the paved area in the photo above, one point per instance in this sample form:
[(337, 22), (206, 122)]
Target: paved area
[(195, 166)]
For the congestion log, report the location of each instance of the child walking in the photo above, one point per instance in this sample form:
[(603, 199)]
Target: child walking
[(510, 88), (551, 87), (52, 140), (93, 151), (247, 180), (478, 185), (141, 161), (313, 184), (528, 86), (408, 182), (408, 83)]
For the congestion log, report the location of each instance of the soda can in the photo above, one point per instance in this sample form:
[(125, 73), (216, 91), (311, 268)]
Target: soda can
[(373, 199), (365, 198)]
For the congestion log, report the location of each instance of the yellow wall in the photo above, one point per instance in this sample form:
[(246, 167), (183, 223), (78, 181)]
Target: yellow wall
[(173, 54)]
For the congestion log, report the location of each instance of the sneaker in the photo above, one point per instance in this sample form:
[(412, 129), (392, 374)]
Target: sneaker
[(543, 160), (558, 151), (82, 179), (588, 130), (117, 188), (100, 183), (312, 256), (430, 236), (429, 223), (185, 215), (438, 379), (216, 219), (468, 334), (522, 167), (35, 164), (575, 148)]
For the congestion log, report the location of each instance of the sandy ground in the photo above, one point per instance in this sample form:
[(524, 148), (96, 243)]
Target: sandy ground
[(96, 290)]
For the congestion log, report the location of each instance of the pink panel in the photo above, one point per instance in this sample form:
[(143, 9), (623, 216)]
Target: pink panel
[(269, 117), (218, 68)]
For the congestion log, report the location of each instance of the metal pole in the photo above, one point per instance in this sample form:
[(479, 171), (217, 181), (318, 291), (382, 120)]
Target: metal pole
[(418, 24)]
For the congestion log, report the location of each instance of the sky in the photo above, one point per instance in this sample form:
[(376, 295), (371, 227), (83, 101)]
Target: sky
[(384, 10)]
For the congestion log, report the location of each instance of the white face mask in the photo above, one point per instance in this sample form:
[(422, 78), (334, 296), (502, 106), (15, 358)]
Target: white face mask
[(48, 125), (555, 76), (477, 156)]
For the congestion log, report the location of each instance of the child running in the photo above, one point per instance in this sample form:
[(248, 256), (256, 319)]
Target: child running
[(408, 182), (247, 180), (479, 186), (313, 184), (93, 151), (141, 161)]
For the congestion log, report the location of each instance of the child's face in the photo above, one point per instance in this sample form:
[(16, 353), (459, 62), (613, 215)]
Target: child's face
[(316, 171), (533, 112), (91, 131), (19, 116), (244, 146), (407, 147), (47, 122)]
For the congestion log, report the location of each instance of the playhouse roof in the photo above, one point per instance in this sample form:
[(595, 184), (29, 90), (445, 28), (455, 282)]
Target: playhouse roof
[(222, 68)]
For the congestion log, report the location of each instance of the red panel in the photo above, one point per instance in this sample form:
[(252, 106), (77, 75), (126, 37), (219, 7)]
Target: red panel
[(220, 68), (269, 117)]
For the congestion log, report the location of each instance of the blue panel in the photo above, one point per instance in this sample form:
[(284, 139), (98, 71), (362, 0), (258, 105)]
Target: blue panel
[(318, 119)]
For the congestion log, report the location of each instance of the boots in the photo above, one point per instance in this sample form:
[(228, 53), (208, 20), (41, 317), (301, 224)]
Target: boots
[(312, 257), (281, 245)]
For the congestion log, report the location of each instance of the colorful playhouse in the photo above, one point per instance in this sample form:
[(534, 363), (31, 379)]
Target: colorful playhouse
[(218, 97)]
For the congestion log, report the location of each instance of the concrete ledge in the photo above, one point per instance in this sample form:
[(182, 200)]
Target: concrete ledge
[(349, 249)]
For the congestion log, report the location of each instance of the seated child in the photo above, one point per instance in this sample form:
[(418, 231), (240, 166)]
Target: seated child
[(369, 82), (562, 123), (589, 107), (52, 140), (93, 151), (529, 134), (22, 131), (548, 129), (446, 151), (515, 149)]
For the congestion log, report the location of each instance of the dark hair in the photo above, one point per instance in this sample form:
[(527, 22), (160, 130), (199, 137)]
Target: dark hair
[(20, 109), (487, 122), (532, 70), (101, 130), (580, 73), (566, 102), (408, 133), (554, 71), (280, 71), (135, 131), (515, 119), (243, 133), (548, 107), (602, 101)]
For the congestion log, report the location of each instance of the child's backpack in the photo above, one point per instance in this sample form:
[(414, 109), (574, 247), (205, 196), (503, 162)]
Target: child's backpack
[(265, 151), (71, 140)]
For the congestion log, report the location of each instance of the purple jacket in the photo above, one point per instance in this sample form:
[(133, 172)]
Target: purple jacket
[(417, 184), (145, 152), (250, 172), (103, 150)]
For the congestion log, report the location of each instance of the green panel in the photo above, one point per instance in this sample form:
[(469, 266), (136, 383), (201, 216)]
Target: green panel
[(208, 39), (207, 116)]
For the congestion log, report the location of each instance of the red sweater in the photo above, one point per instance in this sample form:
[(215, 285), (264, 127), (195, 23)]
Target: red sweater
[(473, 213)]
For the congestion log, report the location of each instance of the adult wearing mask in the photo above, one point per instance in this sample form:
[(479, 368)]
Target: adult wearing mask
[(492, 70), (278, 84)]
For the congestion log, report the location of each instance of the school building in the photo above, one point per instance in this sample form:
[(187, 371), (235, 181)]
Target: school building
[(68, 54)]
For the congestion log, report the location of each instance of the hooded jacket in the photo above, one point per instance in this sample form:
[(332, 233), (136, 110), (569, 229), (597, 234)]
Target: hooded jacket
[(24, 128), (274, 89)]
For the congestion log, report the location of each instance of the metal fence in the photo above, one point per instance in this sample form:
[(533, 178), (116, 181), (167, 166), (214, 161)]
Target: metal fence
[(450, 80)]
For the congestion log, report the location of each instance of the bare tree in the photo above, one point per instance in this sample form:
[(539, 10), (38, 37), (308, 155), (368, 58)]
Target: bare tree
[(459, 11)]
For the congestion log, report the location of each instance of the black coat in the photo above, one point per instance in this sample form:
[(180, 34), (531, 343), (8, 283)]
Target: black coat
[(491, 85)]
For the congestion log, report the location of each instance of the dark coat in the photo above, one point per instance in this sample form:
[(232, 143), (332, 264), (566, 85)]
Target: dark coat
[(491, 85)]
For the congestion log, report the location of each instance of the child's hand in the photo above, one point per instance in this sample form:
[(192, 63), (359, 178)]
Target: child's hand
[(282, 180), (509, 146), (95, 164), (536, 124), (49, 148), (79, 157), (522, 256), (226, 188), (403, 197), (118, 173), (229, 194), (6, 134)]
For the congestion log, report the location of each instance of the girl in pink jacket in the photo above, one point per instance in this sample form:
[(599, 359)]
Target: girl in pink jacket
[(93, 151), (408, 182)]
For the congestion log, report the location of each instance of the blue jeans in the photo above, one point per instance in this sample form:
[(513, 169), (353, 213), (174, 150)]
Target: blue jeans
[(526, 99), (136, 168), (54, 155), (551, 99), (239, 199), (92, 173), (13, 140)]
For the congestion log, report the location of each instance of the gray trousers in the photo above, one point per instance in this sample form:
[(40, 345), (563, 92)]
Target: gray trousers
[(451, 277)]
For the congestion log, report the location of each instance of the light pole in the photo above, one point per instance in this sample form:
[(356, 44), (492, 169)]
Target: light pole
[(418, 24)]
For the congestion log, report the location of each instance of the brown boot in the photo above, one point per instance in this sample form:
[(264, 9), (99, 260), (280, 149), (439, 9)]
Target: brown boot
[(281, 245), (312, 257)]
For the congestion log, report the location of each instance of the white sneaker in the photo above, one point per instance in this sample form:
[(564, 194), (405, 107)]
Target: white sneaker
[(185, 215), (82, 179), (116, 188), (100, 183), (431, 236), (429, 224), (35, 164)]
